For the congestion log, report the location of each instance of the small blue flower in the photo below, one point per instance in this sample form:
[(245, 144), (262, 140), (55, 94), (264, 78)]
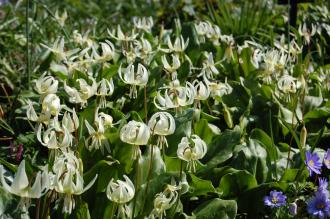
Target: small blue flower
[(319, 205), (313, 164), (275, 199), (293, 208), (3, 2), (323, 187), (327, 159)]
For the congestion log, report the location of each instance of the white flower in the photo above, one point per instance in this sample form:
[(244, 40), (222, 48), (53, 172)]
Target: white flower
[(68, 180), (219, 88), (85, 92), (144, 23), (61, 18), (138, 78), (70, 123), (179, 44), (287, 84), (191, 150), (97, 137), (58, 50), (108, 52), (50, 139), (175, 96), (46, 85), (120, 191), (21, 186), (209, 66), (121, 36), (135, 133), (51, 105), (306, 33), (162, 124), (172, 68), (31, 113), (165, 200), (105, 88), (202, 90)]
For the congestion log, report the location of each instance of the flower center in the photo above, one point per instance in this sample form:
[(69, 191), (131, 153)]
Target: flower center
[(311, 163), (320, 206), (274, 200)]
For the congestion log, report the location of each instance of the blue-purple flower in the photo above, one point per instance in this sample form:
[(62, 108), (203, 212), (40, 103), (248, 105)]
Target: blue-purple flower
[(323, 186), (326, 159), (275, 199), (319, 205), (293, 208), (312, 162)]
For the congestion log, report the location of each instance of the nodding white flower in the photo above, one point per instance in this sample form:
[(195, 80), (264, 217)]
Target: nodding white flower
[(191, 150), (287, 84), (121, 192), (96, 138), (135, 133), (164, 201), (162, 124), (138, 78), (54, 140), (46, 85), (105, 88), (68, 179), (58, 50), (179, 45), (143, 49), (144, 23), (306, 33), (121, 36), (31, 113), (172, 68), (209, 66), (202, 28), (22, 187), (68, 122), (257, 57), (108, 52), (229, 40), (218, 88), (213, 33), (274, 63), (82, 39), (202, 90), (51, 105), (61, 18), (85, 92), (175, 96)]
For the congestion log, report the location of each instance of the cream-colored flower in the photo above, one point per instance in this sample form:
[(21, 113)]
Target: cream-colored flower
[(135, 133), (85, 92), (46, 85), (191, 150), (179, 45), (105, 88), (120, 191), (144, 23), (306, 33), (138, 78), (162, 124), (51, 105), (171, 69), (22, 187), (175, 96)]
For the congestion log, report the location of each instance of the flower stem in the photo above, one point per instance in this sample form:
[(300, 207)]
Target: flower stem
[(145, 104), (113, 210), (149, 175), (37, 208), (137, 189)]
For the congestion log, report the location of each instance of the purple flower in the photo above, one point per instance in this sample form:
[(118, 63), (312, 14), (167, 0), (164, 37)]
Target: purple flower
[(319, 205), (275, 199), (3, 2), (293, 208), (323, 186), (19, 153), (327, 159), (313, 163)]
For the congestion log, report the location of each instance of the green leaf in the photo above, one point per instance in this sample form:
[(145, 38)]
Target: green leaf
[(200, 186), (203, 130), (82, 212), (234, 184), (217, 208), (221, 148), (266, 142)]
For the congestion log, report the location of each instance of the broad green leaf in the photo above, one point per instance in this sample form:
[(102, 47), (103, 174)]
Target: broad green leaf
[(234, 184), (200, 186), (217, 208)]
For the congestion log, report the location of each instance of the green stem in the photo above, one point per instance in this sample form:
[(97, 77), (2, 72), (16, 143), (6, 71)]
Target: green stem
[(27, 52), (137, 189), (113, 210), (149, 175), (145, 104)]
